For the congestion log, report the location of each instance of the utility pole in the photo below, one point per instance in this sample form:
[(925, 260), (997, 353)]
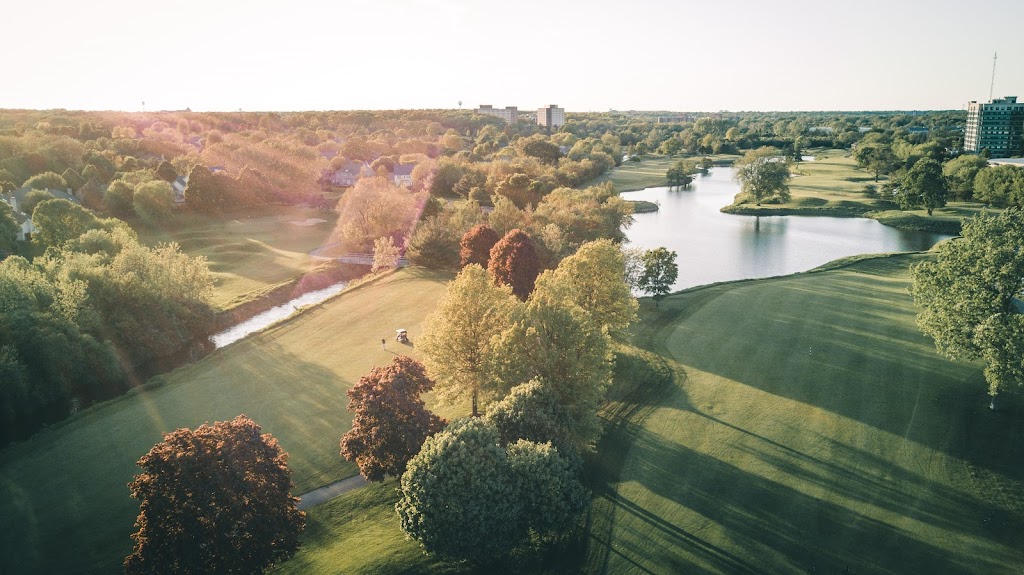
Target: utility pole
[(992, 86)]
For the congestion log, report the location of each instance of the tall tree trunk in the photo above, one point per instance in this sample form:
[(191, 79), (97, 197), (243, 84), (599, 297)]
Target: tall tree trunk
[(475, 412)]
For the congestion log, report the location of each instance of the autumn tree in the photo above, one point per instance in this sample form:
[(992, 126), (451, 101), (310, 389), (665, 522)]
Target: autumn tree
[(969, 296), (476, 244), (457, 336), (762, 175), (385, 254), (465, 496), (594, 279), (390, 421), (660, 272), (514, 263), (214, 500)]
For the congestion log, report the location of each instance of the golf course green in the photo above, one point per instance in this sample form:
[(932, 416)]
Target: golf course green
[(790, 425)]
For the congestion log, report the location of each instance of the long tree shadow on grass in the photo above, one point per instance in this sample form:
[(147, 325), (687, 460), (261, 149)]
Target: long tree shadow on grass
[(855, 333), (68, 486), (771, 527)]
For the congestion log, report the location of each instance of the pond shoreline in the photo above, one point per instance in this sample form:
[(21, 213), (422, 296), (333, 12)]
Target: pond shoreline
[(892, 218)]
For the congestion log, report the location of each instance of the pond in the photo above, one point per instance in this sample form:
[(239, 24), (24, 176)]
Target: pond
[(714, 247)]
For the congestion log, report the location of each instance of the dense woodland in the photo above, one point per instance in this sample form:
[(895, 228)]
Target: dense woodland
[(89, 312)]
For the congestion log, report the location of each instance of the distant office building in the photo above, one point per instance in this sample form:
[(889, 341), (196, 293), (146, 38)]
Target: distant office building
[(510, 113), (677, 119), (997, 125), (551, 117)]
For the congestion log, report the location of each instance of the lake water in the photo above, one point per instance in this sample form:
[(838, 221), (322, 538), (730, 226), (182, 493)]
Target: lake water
[(714, 247)]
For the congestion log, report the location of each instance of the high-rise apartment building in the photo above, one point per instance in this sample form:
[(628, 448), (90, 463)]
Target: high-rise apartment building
[(551, 117), (997, 126), (510, 114)]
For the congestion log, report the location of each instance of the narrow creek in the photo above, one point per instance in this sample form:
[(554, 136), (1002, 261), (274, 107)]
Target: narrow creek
[(274, 315)]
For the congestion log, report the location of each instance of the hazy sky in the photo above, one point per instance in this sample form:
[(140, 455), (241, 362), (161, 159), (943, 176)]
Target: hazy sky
[(583, 55)]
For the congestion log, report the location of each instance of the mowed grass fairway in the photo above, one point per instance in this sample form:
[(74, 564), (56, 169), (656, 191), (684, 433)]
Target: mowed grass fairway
[(650, 172), (793, 425), (249, 250), (64, 502), (806, 426)]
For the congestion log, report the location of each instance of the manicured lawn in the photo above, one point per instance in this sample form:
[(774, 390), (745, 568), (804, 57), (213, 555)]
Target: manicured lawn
[(64, 503), (834, 185), (806, 426), (249, 250), (648, 173), (798, 425)]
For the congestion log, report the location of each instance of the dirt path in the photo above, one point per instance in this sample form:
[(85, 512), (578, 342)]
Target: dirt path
[(328, 492)]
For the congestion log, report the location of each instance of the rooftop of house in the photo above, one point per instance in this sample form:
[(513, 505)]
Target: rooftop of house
[(403, 169)]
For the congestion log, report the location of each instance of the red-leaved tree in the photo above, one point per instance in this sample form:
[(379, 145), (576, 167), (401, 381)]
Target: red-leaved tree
[(476, 245), (214, 500), (514, 262), (390, 421)]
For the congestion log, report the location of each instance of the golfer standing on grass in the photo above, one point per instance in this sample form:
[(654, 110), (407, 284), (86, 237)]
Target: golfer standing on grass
[(383, 343)]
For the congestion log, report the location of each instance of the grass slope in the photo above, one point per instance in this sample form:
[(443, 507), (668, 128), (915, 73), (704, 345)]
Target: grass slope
[(805, 425), (64, 503), (249, 250)]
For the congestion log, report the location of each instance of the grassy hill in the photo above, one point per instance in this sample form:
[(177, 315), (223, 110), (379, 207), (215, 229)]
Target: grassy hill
[(788, 425), (63, 494), (793, 425)]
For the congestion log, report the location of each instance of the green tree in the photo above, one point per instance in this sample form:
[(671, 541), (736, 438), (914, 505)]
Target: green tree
[(153, 201), (59, 221), (660, 272), (118, 198), (214, 500), (476, 244), (390, 421), (46, 180), (32, 199), (533, 411), (762, 174), (877, 157), (1000, 186), (594, 279), (166, 172), (967, 297), (543, 150), (8, 230), (924, 183), (458, 336), (205, 191), (679, 173), (561, 345), (466, 497), (960, 173), (514, 263)]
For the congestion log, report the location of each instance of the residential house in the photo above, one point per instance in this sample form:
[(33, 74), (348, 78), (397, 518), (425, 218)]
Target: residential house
[(16, 199), (402, 174), (349, 173), (179, 186)]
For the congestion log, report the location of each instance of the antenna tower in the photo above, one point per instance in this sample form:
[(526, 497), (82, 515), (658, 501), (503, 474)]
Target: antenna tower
[(992, 86)]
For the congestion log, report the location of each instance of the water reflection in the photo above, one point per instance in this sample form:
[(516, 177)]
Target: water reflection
[(714, 247)]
